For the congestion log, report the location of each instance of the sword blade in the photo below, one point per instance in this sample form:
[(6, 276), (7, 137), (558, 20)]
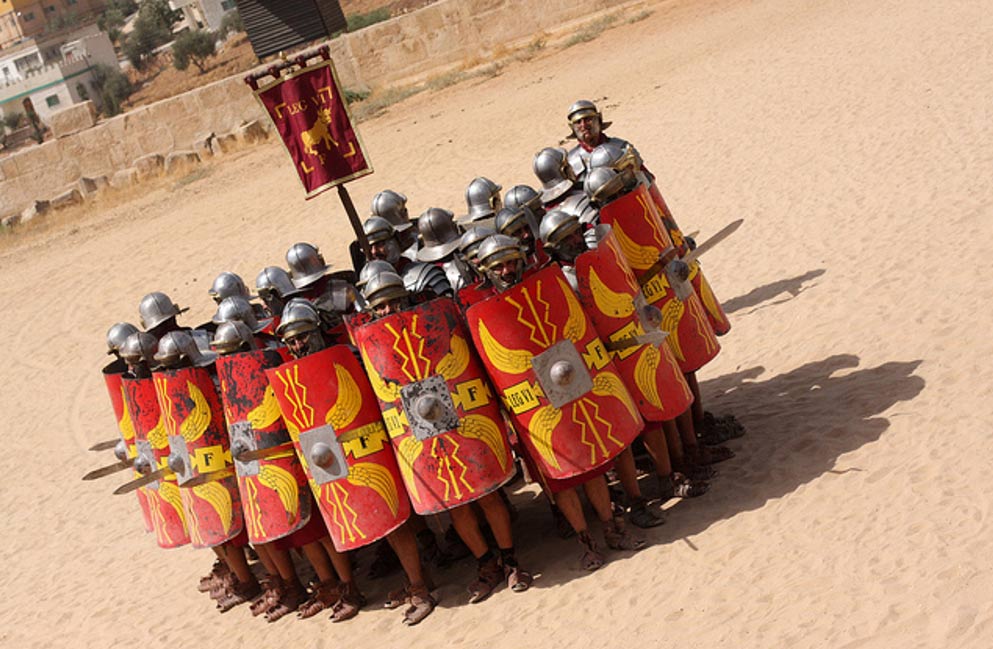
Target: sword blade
[(721, 235), (107, 445), (128, 487), (263, 453), (650, 338), (110, 469)]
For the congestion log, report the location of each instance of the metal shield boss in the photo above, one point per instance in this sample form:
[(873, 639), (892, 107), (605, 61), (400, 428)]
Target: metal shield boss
[(275, 497), (200, 454), (334, 420), (112, 378), (165, 507), (554, 375), (612, 297), (641, 237), (442, 416), (712, 306)]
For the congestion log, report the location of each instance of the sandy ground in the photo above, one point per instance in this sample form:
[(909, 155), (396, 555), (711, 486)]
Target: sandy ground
[(851, 136)]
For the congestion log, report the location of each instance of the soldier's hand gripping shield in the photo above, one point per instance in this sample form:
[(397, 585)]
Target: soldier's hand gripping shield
[(642, 239), (441, 414), (274, 492), (554, 375), (630, 329), (165, 505), (333, 418), (200, 454)]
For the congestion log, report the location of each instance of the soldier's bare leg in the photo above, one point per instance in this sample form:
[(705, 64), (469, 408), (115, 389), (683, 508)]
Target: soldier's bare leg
[(714, 429), (244, 587), (496, 509), (490, 574), (627, 474), (617, 537), (320, 561), (695, 453), (329, 592), (404, 543), (572, 508)]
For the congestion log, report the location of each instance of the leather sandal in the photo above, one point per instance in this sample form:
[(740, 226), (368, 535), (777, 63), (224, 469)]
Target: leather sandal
[(349, 603), (592, 558), (517, 580), (677, 485), (421, 604), (490, 576), (324, 595), (239, 593), (270, 593), (289, 599), (619, 538), (641, 516)]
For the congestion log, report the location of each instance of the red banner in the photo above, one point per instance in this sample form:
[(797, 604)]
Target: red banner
[(311, 116)]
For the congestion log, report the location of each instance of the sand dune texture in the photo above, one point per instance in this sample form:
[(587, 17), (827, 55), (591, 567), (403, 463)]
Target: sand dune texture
[(851, 136)]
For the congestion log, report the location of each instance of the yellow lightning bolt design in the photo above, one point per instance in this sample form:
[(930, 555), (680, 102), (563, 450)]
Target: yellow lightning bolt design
[(253, 513), (445, 460), (648, 214), (158, 518), (296, 393), (536, 324), (341, 511)]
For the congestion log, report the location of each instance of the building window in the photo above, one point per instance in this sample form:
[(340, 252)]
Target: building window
[(29, 16), (52, 101), (228, 5)]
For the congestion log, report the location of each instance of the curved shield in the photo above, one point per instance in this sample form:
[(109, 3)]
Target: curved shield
[(641, 238), (273, 485), (200, 454), (441, 414), (112, 378), (611, 295), (554, 375), (712, 306), (475, 292), (165, 506), (334, 420)]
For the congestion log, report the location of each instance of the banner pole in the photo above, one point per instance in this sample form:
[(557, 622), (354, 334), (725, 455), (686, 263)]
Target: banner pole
[(353, 218)]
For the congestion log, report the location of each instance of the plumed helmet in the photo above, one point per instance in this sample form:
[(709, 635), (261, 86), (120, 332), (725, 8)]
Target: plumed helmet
[(238, 308), (373, 268), (383, 288), (616, 154), (155, 308), (392, 206), (299, 316), (421, 278), (523, 196), (482, 197), (306, 264), (378, 229), (139, 347), (439, 232), (551, 166), (603, 184), (509, 220), (117, 334), (585, 108), (227, 284), (556, 226), (276, 280), (498, 248), (231, 336), (472, 238), (177, 346)]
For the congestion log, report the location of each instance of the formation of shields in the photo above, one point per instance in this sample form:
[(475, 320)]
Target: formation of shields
[(551, 335)]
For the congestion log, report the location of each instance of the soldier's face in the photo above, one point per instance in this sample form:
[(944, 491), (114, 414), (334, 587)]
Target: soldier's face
[(587, 129), (573, 245), (389, 307), (304, 343), (388, 250), (505, 274), (523, 234)]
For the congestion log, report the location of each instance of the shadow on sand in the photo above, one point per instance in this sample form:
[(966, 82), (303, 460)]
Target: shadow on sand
[(757, 296)]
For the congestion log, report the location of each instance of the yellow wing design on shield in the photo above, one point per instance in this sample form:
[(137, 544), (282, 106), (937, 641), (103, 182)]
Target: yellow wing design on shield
[(194, 426), (284, 484), (378, 478), (387, 392), (453, 364), (408, 451), (157, 437), (346, 408), (487, 431), (672, 313), (266, 413), (608, 384), (575, 326), (640, 257), (644, 374), (169, 491), (219, 498), (611, 303), (541, 427), (125, 425), (508, 361)]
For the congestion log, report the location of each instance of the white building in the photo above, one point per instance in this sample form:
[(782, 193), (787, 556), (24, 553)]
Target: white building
[(204, 14)]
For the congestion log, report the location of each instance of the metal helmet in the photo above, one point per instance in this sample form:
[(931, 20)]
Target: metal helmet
[(238, 308), (378, 229), (523, 196), (482, 197), (177, 346), (299, 316), (392, 206), (551, 166), (499, 249), (227, 284), (373, 268), (426, 280), (556, 225), (231, 336), (472, 238), (585, 108), (509, 221), (273, 279), (139, 347), (117, 334), (156, 308), (306, 264), (439, 232), (384, 287), (616, 154), (603, 184)]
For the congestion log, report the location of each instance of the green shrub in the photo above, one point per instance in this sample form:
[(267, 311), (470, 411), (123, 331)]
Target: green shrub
[(358, 21), (193, 47), (114, 87), (231, 23)]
